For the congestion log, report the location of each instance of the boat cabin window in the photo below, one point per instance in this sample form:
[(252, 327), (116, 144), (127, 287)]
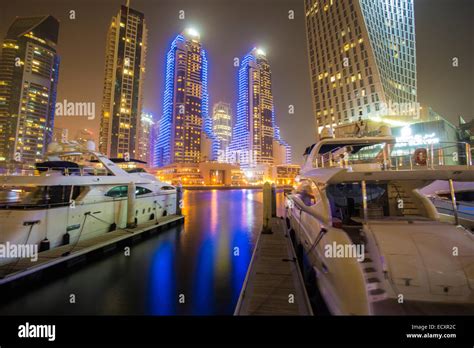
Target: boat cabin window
[(335, 154), (122, 191), (41, 196), (167, 188), (135, 170), (142, 191)]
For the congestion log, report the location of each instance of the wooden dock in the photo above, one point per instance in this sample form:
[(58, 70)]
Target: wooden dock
[(274, 284), (77, 252)]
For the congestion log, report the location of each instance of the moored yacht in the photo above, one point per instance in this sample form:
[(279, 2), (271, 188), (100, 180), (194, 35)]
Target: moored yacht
[(373, 241), (77, 193)]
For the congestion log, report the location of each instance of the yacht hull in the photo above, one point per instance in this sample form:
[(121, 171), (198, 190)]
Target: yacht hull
[(28, 227)]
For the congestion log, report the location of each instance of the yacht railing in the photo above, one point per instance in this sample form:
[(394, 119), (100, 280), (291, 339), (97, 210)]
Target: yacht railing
[(398, 156)]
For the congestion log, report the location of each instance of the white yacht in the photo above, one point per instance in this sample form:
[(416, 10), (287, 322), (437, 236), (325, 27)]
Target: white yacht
[(77, 193), (373, 241)]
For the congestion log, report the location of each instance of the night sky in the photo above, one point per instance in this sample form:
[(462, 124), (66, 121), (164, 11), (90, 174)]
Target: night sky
[(231, 28)]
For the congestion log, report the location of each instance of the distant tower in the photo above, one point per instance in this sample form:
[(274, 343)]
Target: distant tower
[(185, 128), (84, 135), (124, 74), (144, 137), (362, 57), (29, 68), (222, 123), (255, 131)]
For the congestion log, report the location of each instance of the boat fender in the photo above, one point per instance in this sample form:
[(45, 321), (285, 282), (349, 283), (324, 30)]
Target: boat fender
[(44, 245)]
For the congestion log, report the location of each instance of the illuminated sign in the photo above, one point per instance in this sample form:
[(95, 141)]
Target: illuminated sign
[(407, 138)]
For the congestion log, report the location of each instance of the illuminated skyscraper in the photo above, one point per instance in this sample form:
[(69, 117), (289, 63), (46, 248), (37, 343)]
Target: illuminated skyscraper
[(255, 132), (362, 59), (124, 74), (144, 137), (185, 128), (29, 68), (222, 123)]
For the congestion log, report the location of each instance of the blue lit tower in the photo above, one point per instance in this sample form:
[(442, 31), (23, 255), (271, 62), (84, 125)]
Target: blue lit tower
[(256, 138), (185, 128)]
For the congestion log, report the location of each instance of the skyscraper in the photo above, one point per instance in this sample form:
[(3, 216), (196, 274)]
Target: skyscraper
[(255, 132), (185, 128), (222, 124), (29, 68), (144, 137), (362, 59), (124, 74)]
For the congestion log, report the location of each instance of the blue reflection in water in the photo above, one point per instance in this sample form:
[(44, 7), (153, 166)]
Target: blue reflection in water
[(203, 299), (242, 241), (240, 263), (162, 295)]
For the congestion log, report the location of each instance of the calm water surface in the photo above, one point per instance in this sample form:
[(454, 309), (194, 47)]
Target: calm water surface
[(195, 260)]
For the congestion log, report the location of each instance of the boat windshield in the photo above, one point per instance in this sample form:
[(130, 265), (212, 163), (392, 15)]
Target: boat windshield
[(22, 197), (346, 201), (392, 199)]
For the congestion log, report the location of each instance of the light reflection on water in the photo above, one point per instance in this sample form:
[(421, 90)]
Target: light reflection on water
[(205, 262)]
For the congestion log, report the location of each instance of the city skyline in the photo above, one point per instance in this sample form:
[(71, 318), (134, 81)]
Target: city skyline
[(292, 126)]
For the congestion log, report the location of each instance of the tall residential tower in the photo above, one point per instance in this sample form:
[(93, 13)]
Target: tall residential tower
[(29, 68), (145, 143), (362, 59), (256, 138), (222, 124), (185, 128), (124, 74)]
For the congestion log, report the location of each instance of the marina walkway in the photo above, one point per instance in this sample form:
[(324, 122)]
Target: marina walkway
[(274, 284)]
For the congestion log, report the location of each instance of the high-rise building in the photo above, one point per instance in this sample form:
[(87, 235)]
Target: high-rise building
[(144, 138), (185, 128), (60, 135), (29, 68), (255, 133), (362, 59), (222, 124), (124, 74)]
